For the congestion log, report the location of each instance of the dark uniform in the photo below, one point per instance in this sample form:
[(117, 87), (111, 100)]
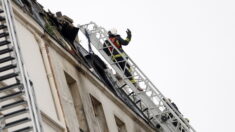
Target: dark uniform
[(119, 57)]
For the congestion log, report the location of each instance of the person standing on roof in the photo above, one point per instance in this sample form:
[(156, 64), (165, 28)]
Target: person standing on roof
[(119, 57)]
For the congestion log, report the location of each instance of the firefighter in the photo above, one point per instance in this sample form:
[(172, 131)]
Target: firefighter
[(117, 57)]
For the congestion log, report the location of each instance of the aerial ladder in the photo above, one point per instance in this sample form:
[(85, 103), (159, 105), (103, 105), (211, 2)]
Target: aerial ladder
[(162, 115), (18, 108)]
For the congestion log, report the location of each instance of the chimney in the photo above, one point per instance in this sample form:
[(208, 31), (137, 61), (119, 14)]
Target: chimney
[(64, 17)]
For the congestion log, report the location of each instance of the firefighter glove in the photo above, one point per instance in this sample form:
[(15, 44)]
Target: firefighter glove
[(128, 33)]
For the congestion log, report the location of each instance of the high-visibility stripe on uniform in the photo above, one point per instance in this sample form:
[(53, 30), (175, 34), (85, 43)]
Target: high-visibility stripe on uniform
[(129, 69), (117, 44), (118, 55), (133, 81)]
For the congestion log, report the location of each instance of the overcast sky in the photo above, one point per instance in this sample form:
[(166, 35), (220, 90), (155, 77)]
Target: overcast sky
[(186, 47)]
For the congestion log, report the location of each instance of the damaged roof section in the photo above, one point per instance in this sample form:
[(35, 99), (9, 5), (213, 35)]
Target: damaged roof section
[(61, 28), (58, 26)]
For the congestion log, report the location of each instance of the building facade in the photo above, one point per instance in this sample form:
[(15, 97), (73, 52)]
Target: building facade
[(70, 95)]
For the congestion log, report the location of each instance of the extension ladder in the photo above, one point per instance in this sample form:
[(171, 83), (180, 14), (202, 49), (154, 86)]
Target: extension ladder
[(18, 108), (160, 112)]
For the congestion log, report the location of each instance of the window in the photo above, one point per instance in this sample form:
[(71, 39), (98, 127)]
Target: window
[(77, 102), (120, 125), (99, 114)]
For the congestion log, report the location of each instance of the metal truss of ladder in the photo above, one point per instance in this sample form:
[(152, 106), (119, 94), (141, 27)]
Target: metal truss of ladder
[(18, 109), (151, 101)]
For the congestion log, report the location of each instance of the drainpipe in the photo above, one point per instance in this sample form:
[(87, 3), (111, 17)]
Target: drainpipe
[(50, 76)]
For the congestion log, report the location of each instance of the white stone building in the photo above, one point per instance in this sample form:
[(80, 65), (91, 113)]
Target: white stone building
[(71, 96)]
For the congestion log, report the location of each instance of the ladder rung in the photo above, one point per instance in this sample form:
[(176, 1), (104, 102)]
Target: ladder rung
[(8, 67), (11, 96), (131, 94), (8, 76), (3, 26), (4, 51), (12, 105), (14, 113), (116, 62), (26, 129), (6, 59), (17, 122), (10, 87), (122, 86), (138, 101), (145, 109), (2, 18), (2, 43), (4, 34), (150, 118)]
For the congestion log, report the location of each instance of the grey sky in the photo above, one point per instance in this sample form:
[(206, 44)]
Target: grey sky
[(186, 47)]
